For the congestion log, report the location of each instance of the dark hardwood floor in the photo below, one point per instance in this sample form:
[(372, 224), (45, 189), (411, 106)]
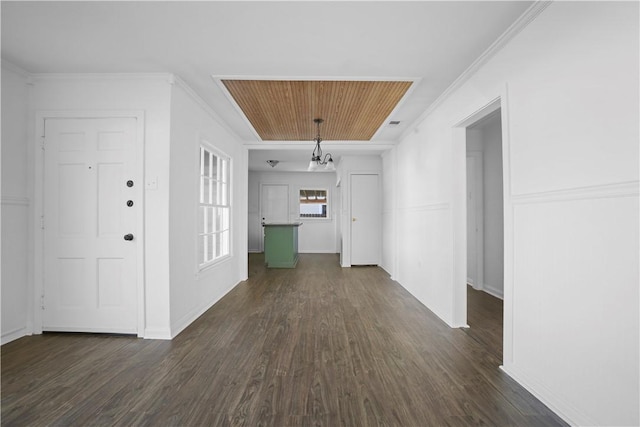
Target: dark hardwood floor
[(317, 345)]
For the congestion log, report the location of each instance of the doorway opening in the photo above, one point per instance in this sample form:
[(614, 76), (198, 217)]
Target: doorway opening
[(485, 231)]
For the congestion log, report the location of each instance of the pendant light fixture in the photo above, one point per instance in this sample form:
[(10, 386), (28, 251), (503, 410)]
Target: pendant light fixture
[(316, 158)]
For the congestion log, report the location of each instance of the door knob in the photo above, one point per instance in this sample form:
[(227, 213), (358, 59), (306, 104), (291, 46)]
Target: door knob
[(128, 236)]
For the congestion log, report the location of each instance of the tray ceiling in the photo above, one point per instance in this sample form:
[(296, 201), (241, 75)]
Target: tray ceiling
[(283, 110)]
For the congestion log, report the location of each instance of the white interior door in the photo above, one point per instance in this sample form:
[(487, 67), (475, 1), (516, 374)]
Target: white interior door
[(475, 218), (471, 224), (274, 205), (366, 233), (89, 207)]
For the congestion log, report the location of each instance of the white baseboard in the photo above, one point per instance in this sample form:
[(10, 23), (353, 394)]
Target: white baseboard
[(157, 334), (498, 293), (564, 410), (191, 316), (7, 337)]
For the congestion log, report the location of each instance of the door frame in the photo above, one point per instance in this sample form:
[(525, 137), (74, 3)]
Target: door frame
[(347, 243), (38, 206), (459, 143), (479, 216)]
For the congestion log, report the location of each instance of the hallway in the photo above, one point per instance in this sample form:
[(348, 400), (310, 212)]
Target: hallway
[(315, 345)]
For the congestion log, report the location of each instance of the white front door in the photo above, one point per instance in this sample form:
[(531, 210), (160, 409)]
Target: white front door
[(274, 205), (90, 204), (366, 230)]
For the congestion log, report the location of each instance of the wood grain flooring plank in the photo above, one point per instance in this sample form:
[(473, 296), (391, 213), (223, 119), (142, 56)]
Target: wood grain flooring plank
[(317, 345)]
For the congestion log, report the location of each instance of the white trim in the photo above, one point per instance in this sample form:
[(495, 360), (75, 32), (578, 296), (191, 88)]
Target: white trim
[(493, 291), (435, 206), (478, 192), (349, 199), (614, 190), (166, 77), (38, 205), (157, 334), (14, 334), (220, 77), (15, 201), (10, 66), (194, 314), (563, 409), (514, 29), (459, 209), (203, 105)]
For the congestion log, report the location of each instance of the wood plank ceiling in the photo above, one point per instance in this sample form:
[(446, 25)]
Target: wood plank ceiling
[(283, 110)]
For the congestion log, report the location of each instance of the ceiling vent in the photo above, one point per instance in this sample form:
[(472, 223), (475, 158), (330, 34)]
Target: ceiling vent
[(394, 122)]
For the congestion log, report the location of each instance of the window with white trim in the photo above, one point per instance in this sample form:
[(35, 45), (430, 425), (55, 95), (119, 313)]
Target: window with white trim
[(314, 203), (214, 209)]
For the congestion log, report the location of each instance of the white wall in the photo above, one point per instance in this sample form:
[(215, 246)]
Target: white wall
[(488, 141), (16, 202), (150, 95), (315, 235), (193, 291), (569, 87), (389, 221)]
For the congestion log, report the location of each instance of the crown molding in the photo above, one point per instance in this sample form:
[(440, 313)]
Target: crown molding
[(203, 104), (10, 66), (514, 29), (167, 77)]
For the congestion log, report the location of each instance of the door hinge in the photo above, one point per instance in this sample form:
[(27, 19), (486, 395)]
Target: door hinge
[(42, 302), (42, 222), (42, 143)]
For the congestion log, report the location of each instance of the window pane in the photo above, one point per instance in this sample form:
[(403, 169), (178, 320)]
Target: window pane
[(214, 193), (214, 212), (225, 218), (205, 190), (224, 176), (313, 203), (224, 197), (207, 164), (210, 224), (214, 166)]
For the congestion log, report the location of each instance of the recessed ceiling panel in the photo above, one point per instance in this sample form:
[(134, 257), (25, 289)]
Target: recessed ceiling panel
[(283, 110)]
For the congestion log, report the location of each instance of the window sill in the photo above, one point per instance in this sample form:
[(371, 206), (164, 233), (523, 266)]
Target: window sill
[(213, 264), (314, 219)]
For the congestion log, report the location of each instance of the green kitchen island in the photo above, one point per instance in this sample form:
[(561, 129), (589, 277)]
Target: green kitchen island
[(281, 244)]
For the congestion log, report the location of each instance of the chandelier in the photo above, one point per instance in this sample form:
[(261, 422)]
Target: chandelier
[(316, 158)]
